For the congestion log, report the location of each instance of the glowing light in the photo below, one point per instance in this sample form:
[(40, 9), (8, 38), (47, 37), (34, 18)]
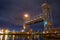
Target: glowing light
[(6, 31), (47, 32), (6, 37), (49, 23), (27, 32), (22, 30), (26, 15), (1, 31), (1, 37), (45, 23), (44, 32), (24, 26)]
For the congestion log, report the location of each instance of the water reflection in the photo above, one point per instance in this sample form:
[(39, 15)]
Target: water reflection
[(13, 37), (22, 37), (17, 37), (6, 37), (1, 37)]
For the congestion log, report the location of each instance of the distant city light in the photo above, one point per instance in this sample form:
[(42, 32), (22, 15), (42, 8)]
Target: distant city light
[(43, 32), (22, 30), (1, 31), (27, 32), (13, 31), (24, 26), (6, 31), (47, 32)]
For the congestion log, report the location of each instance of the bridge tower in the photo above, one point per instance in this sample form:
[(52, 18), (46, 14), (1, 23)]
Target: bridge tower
[(47, 15)]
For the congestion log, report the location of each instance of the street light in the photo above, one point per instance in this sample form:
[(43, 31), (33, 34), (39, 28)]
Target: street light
[(26, 15), (26, 19)]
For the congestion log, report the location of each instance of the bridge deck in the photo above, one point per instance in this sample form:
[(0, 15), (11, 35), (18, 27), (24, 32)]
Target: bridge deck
[(34, 21)]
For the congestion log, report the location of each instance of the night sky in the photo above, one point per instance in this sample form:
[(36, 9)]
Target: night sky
[(12, 11)]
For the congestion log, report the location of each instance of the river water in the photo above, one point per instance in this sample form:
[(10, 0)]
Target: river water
[(22, 37)]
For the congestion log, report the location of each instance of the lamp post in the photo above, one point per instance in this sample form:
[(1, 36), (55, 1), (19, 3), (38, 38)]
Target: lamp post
[(26, 18)]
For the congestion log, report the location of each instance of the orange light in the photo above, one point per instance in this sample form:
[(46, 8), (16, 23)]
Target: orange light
[(49, 23), (6, 31), (26, 15)]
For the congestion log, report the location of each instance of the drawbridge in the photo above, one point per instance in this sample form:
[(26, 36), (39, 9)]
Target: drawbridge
[(46, 17)]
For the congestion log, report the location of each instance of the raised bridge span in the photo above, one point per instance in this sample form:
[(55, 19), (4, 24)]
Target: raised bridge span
[(45, 17), (37, 20)]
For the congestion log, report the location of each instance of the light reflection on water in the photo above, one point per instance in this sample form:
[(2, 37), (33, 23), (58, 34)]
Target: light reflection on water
[(13, 37), (1, 37), (6, 37), (17, 37), (22, 37)]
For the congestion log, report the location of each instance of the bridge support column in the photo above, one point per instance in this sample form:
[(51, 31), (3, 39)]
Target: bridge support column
[(47, 15), (30, 34)]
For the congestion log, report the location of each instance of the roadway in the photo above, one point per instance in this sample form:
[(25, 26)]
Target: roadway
[(34, 21)]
